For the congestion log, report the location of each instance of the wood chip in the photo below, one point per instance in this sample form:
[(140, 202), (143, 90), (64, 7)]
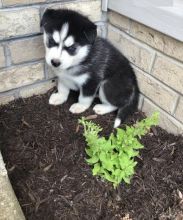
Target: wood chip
[(173, 150), (77, 129), (61, 126), (12, 168), (127, 217), (179, 194), (158, 159), (47, 168), (31, 196), (89, 117), (39, 202), (154, 130), (63, 178), (172, 144), (25, 123), (67, 202)]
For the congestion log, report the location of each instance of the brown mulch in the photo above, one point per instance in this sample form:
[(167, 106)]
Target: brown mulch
[(44, 153)]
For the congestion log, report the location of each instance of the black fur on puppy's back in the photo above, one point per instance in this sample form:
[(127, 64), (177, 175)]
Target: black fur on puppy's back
[(120, 88)]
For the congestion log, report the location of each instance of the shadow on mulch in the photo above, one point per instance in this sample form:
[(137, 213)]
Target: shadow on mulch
[(45, 159)]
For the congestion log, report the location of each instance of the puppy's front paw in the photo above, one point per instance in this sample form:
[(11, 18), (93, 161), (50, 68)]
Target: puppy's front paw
[(77, 108), (56, 99)]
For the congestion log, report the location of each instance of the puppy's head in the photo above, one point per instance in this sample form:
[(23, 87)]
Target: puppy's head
[(68, 37)]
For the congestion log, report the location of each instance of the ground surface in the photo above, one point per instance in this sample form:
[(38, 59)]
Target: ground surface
[(45, 158)]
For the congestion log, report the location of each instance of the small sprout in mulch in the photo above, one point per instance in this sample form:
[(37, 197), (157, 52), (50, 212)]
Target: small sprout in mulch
[(114, 158)]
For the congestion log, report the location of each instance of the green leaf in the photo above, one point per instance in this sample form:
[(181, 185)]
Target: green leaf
[(130, 152), (92, 160), (112, 138), (106, 162), (137, 145), (117, 172), (89, 152), (108, 146), (120, 134), (96, 169), (115, 185), (129, 170), (102, 143), (113, 158), (129, 131), (108, 177), (108, 165), (124, 161), (121, 175), (127, 180)]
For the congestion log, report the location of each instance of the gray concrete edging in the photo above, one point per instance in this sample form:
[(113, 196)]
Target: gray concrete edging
[(9, 206)]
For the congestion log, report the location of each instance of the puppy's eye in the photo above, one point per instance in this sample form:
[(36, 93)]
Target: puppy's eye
[(52, 43), (72, 48)]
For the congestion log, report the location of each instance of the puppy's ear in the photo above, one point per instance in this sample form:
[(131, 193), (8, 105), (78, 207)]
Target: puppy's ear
[(43, 19), (46, 16), (90, 33), (42, 22)]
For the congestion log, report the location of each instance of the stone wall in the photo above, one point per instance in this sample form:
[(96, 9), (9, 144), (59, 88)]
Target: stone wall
[(158, 62), (23, 71)]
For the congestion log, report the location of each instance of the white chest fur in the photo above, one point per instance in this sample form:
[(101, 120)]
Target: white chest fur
[(70, 80)]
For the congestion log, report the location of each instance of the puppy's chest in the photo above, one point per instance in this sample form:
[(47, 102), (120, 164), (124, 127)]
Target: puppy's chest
[(73, 82)]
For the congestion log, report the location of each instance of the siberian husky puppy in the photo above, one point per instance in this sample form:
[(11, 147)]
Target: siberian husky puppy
[(88, 64)]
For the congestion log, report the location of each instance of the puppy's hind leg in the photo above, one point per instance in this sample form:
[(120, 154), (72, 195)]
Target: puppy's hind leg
[(128, 108), (105, 107), (102, 109)]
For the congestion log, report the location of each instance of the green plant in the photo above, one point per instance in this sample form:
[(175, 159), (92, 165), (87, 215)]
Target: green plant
[(113, 158)]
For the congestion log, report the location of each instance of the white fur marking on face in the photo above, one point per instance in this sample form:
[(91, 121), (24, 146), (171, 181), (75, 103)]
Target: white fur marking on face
[(56, 36), (52, 53), (69, 41), (68, 60), (64, 31)]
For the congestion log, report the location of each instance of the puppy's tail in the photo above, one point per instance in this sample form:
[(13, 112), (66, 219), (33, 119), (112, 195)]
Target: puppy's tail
[(129, 108)]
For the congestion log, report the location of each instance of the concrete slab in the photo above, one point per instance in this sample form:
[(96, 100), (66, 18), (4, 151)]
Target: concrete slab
[(9, 206)]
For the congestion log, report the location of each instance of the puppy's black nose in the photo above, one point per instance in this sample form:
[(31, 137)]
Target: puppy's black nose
[(55, 62)]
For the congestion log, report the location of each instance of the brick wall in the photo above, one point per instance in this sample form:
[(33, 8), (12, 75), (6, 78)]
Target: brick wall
[(23, 72), (158, 62)]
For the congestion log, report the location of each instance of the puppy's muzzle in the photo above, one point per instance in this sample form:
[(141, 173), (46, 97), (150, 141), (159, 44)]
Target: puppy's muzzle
[(55, 63)]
